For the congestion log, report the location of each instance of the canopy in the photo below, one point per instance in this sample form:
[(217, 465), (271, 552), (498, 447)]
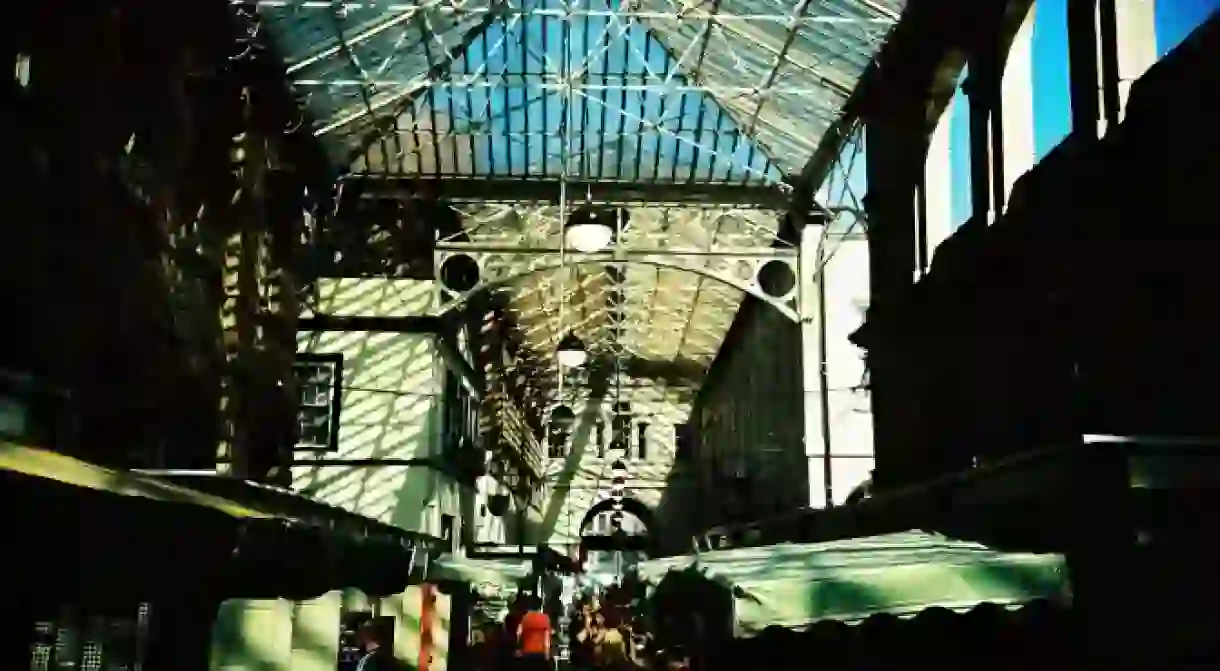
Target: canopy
[(40, 463), (795, 585), (131, 526), (373, 556), (486, 576)]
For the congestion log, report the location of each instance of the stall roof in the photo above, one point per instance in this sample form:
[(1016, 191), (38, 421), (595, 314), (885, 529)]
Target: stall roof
[(795, 585), (289, 503), (53, 466)]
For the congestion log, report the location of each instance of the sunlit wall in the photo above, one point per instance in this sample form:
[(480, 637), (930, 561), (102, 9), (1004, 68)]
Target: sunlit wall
[(581, 477), (390, 404), (850, 417)]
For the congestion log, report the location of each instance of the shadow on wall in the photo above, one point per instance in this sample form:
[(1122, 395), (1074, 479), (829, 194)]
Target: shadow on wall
[(581, 441), (389, 414), (677, 515), (532, 526)]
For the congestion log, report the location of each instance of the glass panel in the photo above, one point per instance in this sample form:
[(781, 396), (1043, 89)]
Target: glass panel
[(314, 427)]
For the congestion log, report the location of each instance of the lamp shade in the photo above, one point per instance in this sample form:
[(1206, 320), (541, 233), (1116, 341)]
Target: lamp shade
[(571, 352), (588, 231)]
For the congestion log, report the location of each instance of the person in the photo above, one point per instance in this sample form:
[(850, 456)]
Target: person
[(581, 657), (378, 655), (612, 649), (484, 647), (534, 638), (511, 625)]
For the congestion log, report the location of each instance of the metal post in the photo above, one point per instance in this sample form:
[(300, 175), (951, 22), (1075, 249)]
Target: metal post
[(813, 359)]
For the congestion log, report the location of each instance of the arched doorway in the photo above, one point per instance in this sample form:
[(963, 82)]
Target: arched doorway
[(640, 541), (631, 506)]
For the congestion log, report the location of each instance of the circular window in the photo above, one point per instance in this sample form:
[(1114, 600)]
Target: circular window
[(776, 278), (459, 273)]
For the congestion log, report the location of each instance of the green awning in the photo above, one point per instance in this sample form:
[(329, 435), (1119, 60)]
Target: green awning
[(485, 576), (795, 585), (131, 526), (39, 463)]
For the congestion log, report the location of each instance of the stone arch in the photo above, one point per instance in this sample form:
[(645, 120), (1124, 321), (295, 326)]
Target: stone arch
[(630, 505)]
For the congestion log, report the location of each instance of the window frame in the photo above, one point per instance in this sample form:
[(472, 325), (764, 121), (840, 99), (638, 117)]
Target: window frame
[(335, 361)]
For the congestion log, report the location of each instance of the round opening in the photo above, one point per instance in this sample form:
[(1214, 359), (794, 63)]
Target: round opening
[(459, 273), (776, 278)]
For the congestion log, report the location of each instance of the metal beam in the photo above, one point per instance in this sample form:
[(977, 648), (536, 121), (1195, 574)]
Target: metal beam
[(401, 102), (616, 83), (546, 191), (684, 15), (415, 324)]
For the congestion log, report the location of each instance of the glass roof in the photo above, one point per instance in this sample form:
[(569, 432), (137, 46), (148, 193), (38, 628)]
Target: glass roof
[(688, 91)]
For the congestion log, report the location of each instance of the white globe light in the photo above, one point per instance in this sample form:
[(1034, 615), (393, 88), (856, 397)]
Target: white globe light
[(572, 358), (588, 237), (571, 352)]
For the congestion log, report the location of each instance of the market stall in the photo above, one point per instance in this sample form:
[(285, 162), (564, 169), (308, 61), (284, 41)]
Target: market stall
[(796, 585)]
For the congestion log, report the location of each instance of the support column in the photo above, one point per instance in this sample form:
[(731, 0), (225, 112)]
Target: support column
[(895, 141), (1083, 65), (813, 362), (983, 91), (315, 632), (252, 635), (1112, 43), (258, 310), (421, 616)]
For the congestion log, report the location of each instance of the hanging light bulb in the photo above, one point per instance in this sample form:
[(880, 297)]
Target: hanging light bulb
[(571, 352), (587, 232)]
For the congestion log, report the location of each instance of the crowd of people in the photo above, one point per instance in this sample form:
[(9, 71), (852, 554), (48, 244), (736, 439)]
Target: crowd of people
[(607, 630), (606, 636)]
